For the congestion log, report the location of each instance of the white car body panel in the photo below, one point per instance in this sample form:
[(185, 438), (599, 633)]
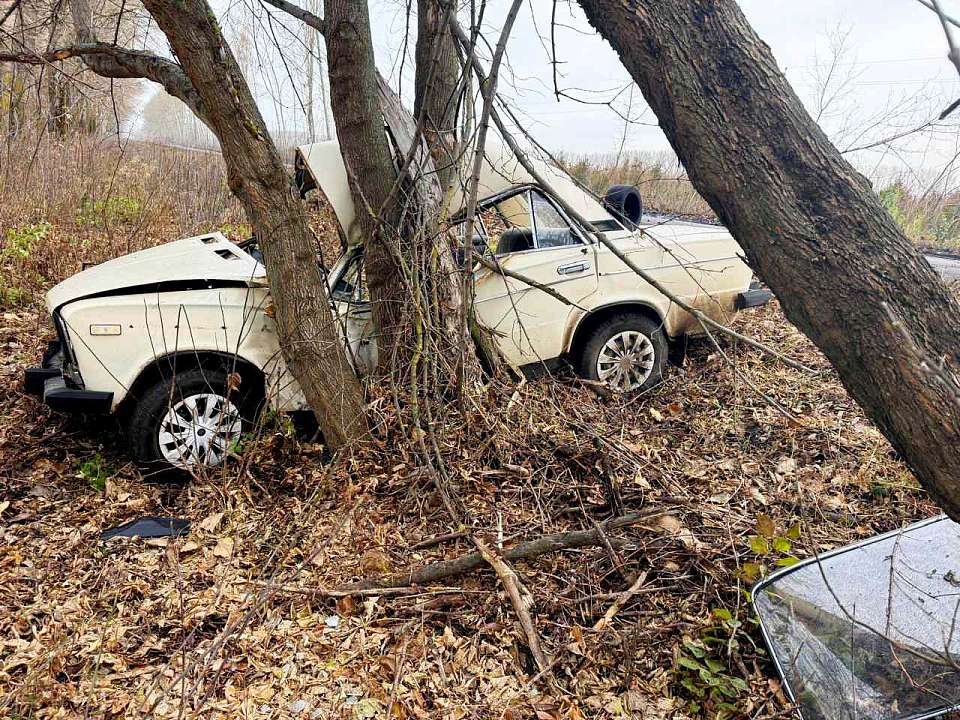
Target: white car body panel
[(205, 294)]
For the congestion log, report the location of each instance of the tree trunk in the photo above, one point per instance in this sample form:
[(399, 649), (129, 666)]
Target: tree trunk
[(437, 86), (354, 98), (311, 345), (810, 224), (411, 273)]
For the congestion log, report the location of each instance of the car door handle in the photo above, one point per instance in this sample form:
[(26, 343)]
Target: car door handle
[(572, 268)]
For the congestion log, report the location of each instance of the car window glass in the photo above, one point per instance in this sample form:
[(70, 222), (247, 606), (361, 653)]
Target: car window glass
[(351, 286), (870, 631), (552, 229), (508, 224)]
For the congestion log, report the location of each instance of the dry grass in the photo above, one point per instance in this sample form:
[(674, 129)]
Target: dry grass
[(234, 620), (929, 217), (663, 184), (86, 200)]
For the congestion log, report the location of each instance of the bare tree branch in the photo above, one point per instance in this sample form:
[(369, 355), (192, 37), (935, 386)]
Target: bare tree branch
[(109, 60), (12, 9), (943, 16), (305, 16), (954, 54), (113, 61)]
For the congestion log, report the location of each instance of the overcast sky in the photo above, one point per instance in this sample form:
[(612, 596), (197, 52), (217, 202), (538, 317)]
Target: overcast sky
[(893, 75), (894, 64)]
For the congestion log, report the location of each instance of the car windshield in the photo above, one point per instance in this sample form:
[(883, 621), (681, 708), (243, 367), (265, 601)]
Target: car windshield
[(871, 631)]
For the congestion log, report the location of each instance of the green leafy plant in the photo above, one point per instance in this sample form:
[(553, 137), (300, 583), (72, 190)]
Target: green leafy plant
[(239, 231), (702, 672), (20, 239), (96, 471), (116, 208), (771, 548), (11, 297)]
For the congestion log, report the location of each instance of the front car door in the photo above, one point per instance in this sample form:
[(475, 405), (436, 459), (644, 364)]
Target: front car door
[(530, 235), (353, 311)]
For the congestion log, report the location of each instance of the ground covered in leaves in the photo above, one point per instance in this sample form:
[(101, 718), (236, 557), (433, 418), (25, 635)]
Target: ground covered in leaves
[(239, 618)]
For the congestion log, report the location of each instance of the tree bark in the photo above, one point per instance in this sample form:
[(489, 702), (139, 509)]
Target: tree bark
[(437, 86), (410, 268), (354, 99), (309, 340), (811, 226)]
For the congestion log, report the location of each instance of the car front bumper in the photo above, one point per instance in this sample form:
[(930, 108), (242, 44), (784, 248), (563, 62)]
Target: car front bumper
[(49, 383)]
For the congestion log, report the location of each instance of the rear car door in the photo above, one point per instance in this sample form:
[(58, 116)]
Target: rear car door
[(529, 234)]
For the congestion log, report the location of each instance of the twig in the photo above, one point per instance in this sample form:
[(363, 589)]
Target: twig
[(494, 264), (954, 54), (438, 540), (621, 600)]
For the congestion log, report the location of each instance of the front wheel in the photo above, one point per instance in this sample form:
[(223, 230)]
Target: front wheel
[(627, 352), (192, 419)]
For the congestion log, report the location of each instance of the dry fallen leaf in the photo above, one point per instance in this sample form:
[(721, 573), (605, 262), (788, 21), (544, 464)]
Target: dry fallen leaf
[(786, 466), (224, 547), (210, 522), (375, 561)]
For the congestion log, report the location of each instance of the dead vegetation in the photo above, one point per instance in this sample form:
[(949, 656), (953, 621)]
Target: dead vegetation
[(689, 494), (930, 216)]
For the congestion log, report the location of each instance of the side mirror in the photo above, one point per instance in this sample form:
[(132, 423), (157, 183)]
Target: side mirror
[(624, 202)]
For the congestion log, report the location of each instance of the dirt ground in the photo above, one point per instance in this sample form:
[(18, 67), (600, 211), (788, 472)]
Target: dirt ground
[(241, 617)]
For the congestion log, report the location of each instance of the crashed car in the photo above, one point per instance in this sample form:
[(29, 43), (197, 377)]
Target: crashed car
[(177, 340)]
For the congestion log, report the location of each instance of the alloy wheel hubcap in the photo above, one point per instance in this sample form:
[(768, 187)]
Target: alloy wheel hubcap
[(626, 360), (199, 430)]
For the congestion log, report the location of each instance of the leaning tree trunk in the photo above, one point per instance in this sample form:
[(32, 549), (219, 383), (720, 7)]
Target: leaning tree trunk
[(411, 274), (437, 86), (311, 346), (811, 225)]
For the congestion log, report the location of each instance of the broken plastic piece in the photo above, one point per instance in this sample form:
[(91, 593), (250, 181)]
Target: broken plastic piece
[(149, 527)]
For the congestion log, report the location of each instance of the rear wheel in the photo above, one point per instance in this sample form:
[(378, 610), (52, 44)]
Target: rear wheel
[(627, 352), (190, 420)]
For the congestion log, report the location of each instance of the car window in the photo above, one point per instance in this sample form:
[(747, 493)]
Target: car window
[(552, 230), (508, 224), (351, 286), (869, 631)]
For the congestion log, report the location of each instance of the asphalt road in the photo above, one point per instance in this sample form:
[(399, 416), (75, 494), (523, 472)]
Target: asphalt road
[(948, 267)]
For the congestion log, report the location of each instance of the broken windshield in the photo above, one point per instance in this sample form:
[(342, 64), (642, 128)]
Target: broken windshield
[(870, 631)]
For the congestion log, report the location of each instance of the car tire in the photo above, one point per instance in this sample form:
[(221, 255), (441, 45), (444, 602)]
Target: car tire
[(191, 420), (636, 337)]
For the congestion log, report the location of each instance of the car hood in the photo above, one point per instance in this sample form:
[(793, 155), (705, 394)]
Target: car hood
[(195, 262)]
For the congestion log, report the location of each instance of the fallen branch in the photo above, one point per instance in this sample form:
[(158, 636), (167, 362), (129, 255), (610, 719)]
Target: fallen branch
[(520, 598), (464, 564)]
